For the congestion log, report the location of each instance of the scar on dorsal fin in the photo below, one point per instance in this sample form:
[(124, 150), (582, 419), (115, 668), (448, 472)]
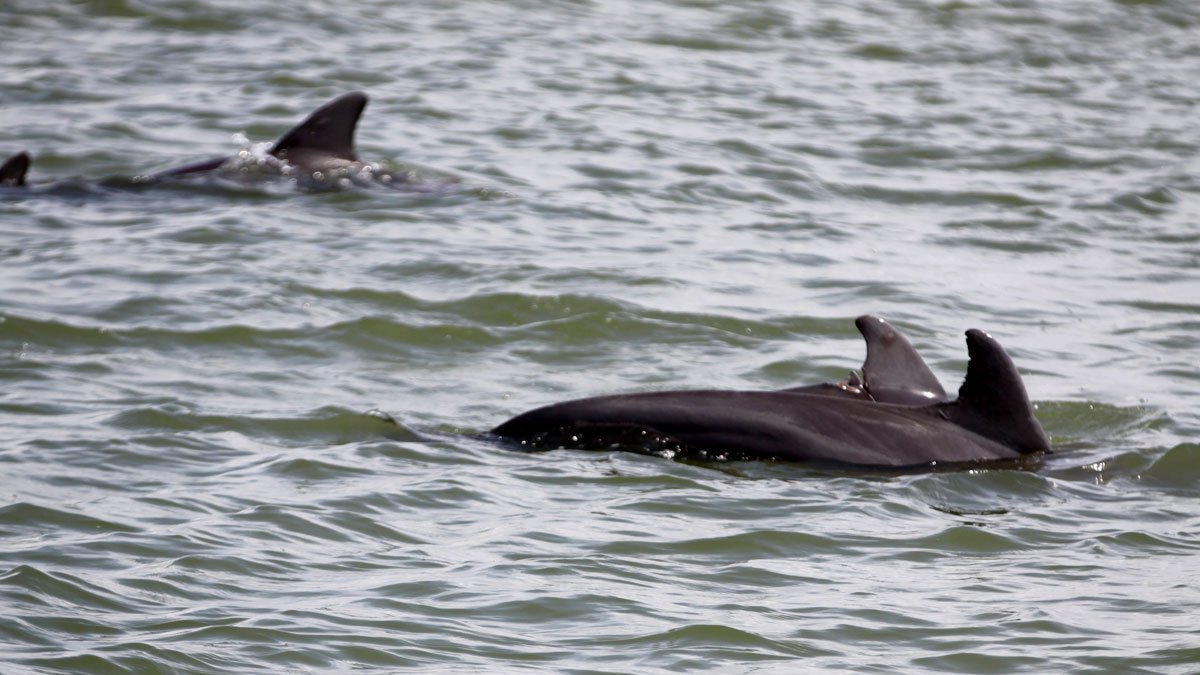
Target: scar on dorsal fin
[(992, 400), (893, 371), (328, 131), (13, 171)]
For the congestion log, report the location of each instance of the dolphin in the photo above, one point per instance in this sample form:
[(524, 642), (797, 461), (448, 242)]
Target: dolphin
[(991, 420), (13, 170), (893, 371), (319, 151), (323, 142)]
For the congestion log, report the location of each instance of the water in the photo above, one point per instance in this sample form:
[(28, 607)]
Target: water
[(657, 195)]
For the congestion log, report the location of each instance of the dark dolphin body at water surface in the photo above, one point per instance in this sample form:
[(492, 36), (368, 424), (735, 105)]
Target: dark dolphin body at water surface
[(992, 418), (317, 152), (318, 149), (13, 170)]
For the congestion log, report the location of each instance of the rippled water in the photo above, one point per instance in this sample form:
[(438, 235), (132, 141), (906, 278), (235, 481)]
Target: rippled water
[(199, 470)]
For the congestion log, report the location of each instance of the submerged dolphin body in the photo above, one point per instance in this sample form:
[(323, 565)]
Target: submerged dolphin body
[(992, 419)]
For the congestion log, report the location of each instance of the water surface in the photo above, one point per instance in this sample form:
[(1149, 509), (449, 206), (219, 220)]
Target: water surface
[(656, 195)]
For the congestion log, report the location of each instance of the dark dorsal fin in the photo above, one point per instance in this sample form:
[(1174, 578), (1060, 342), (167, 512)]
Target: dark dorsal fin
[(13, 171), (894, 372), (992, 400), (328, 131)]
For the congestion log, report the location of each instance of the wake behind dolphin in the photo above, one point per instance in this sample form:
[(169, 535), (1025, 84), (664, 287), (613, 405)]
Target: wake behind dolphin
[(906, 424)]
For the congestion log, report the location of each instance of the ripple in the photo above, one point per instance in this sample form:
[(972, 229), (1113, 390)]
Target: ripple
[(767, 543), (697, 43), (1178, 467), (967, 540), (716, 641), (1007, 245), (332, 426), (23, 517), (908, 196)]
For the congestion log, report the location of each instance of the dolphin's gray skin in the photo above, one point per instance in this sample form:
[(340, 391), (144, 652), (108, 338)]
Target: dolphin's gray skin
[(991, 420), (13, 170), (893, 372), (323, 142)]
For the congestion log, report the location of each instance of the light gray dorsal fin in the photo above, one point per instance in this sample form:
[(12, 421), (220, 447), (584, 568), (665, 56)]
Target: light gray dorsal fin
[(894, 372), (13, 171), (992, 400), (328, 131)]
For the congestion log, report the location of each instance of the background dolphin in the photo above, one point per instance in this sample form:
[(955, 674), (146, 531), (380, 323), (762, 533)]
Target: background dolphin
[(324, 141), (992, 419), (318, 151), (13, 170)]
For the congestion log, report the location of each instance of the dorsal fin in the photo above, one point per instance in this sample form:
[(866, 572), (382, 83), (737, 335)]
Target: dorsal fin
[(328, 131), (13, 171), (894, 372), (992, 400)]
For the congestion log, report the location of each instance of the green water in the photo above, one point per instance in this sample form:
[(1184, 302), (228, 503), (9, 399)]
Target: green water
[(240, 422)]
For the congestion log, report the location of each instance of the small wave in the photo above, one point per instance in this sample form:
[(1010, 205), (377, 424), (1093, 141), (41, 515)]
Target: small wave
[(1073, 424), (963, 540), (1178, 467), (909, 196), (53, 589), (678, 646), (1024, 245), (732, 548), (28, 517), (698, 43), (324, 426)]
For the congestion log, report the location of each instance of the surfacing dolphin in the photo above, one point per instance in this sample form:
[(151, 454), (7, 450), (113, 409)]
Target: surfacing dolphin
[(991, 420), (318, 152), (13, 170)]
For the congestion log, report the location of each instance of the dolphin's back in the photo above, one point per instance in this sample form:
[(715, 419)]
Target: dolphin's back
[(786, 426)]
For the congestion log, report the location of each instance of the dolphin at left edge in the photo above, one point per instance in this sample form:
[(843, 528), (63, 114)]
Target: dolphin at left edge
[(319, 151)]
